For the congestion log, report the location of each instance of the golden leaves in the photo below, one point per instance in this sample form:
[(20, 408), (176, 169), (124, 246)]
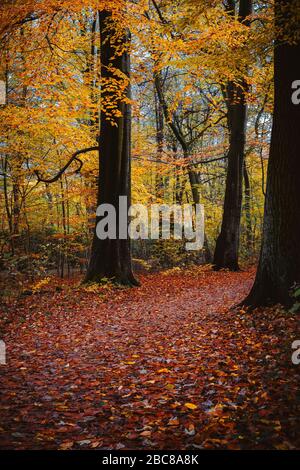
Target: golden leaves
[(191, 406)]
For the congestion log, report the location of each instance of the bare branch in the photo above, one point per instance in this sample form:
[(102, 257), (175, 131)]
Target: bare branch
[(71, 160)]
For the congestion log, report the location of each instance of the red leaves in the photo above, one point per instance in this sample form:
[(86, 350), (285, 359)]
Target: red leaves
[(161, 366)]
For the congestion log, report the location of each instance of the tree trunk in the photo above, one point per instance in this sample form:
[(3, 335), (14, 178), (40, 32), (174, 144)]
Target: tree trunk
[(112, 258), (193, 176), (279, 263), (63, 251), (195, 182), (160, 145), (227, 246), (247, 208), (7, 205)]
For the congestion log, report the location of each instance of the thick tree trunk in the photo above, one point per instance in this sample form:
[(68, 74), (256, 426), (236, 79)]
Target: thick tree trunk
[(227, 246), (279, 263), (112, 258)]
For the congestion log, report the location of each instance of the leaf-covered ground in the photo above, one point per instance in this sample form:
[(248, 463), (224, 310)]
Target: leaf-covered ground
[(163, 366)]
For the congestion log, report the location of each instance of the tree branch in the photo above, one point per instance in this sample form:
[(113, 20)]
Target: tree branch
[(64, 168)]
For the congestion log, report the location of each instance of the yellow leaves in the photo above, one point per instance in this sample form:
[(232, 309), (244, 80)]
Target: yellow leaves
[(40, 284), (94, 288), (191, 406), (170, 386), (163, 371), (61, 407)]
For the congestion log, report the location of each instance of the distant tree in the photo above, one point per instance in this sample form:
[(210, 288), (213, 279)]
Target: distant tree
[(227, 246)]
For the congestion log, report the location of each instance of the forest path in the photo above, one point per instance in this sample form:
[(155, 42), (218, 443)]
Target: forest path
[(163, 366)]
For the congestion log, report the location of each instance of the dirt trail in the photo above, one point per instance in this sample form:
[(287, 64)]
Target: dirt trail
[(163, 366)]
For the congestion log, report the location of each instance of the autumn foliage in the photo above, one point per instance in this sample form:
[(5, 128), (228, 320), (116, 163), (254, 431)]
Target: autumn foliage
[(164, 102), (123, 369)]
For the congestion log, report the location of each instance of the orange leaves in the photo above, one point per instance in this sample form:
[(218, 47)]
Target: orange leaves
[(163, 371), (190, 406), (66, 445), (145, 434), (134, 370)]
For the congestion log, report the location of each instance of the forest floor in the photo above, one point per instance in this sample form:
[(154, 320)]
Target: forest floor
[(164, 366)]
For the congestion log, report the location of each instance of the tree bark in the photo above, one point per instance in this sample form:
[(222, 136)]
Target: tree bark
[(247, 208), (279, 263), (112, 258), (159, 117), (227, 246)]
